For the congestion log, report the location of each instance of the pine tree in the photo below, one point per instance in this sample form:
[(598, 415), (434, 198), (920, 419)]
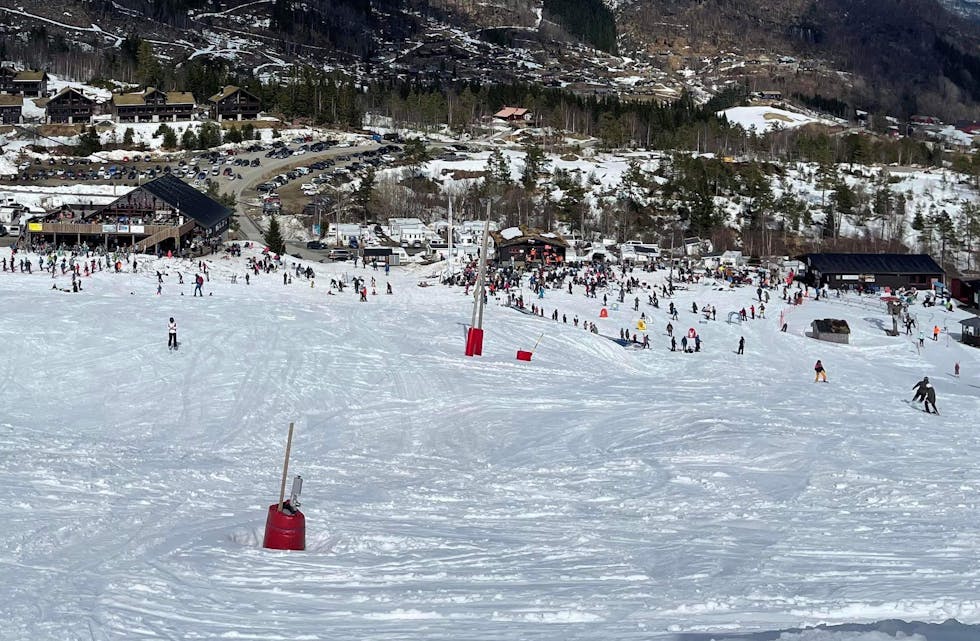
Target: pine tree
[(496, 177), (534, 163), (209, 136), (128, 137), (189, 139), (970, 224), (364, 192), (415, 154), (169, 139), (273, 237), (148, 70), (88, 143)]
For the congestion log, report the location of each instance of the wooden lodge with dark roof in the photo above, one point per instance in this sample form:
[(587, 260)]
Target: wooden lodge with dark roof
[(841, 271), (11, 109), (528, 245), (69, 106), (24, 83), (234, 103), (165, 214), (152, 105)]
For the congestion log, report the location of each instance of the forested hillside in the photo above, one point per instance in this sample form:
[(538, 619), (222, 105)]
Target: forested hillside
[(901, 56), (589, 20)]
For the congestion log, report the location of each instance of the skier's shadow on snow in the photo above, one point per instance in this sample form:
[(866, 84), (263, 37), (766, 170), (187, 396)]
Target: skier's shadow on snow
[(949, 630), (877, 322)]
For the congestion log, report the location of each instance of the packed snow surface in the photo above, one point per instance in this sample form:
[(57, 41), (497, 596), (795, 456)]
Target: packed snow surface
[(763, 119), (595, 492)]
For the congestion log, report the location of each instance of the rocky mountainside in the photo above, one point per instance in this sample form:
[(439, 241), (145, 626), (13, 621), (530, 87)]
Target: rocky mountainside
[(891, 56), (969, 9), (909, 56)]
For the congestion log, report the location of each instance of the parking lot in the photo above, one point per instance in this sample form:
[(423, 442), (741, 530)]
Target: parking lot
[(293, 172)]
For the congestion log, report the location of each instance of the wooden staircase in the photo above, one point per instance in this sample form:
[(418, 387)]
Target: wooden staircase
[(162, 235)]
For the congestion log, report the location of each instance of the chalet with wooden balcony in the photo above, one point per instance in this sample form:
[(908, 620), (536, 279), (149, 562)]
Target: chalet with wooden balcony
[(70, 106), (11, 109), (152, 105), (234, 103), (24, 83), (162, 215)]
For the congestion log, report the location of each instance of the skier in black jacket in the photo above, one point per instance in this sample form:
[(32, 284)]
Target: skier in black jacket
[(920, 390), (931, 399)]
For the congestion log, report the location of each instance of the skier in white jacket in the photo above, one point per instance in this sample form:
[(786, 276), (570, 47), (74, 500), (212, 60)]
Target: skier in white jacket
[(172, 331)]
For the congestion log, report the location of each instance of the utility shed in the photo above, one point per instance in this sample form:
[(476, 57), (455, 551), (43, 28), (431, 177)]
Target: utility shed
[(832, 330), (971, 331)]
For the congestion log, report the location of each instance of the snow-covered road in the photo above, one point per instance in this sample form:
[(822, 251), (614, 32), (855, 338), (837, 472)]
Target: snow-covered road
[(594, 493)]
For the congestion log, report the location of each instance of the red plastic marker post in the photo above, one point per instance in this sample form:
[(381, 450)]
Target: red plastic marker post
[(474, 341), (285, 527), (526, 356)]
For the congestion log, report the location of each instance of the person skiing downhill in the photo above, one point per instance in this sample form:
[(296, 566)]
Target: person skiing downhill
[(172, 334), (930, 398), (920, 389), (820, 372)]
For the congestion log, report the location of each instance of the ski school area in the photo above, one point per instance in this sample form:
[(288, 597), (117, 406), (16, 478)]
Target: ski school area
[(566, 480)]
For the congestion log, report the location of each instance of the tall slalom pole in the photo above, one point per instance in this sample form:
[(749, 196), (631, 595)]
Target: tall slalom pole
[(449, 234), (474, 337)]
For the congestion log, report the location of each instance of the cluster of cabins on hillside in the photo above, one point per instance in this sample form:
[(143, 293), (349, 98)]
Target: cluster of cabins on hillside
[(71, 105)]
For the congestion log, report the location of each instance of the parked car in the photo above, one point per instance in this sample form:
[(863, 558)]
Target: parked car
[(340, 254), (315, 244)]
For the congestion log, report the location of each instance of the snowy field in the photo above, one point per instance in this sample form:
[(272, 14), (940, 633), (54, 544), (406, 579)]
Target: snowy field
[(764, 119), (596, 492)]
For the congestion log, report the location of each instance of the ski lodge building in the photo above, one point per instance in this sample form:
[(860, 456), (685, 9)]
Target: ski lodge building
[(527, 245), (840, 271), (165, 214)]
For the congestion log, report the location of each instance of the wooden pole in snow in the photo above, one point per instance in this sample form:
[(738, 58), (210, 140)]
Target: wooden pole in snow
[(536, 342), (285, 466)]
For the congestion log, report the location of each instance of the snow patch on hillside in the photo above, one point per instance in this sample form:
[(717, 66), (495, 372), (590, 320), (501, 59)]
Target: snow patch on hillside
[(764, 119)]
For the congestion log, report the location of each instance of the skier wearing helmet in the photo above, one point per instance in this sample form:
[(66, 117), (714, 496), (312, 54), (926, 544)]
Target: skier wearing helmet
[(920, 389)]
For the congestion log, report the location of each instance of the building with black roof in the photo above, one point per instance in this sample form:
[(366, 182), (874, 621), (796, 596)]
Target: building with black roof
[(842, 271), (971, 331), (165, 214)]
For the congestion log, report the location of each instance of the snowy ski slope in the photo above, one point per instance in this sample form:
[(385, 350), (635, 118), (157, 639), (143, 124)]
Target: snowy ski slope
[(593, 493)]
